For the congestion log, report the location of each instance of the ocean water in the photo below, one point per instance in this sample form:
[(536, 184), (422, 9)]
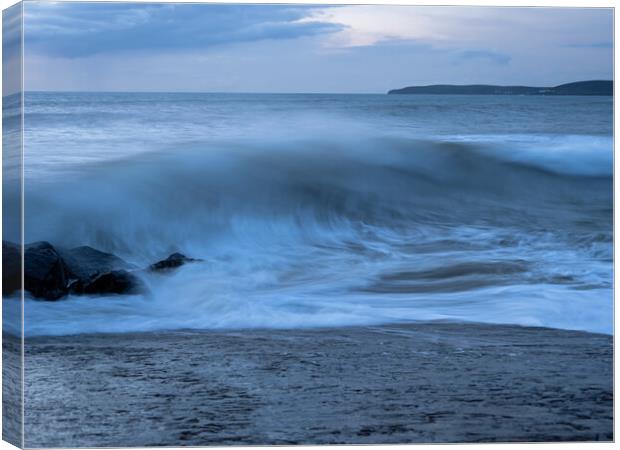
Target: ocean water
[(327, 210)]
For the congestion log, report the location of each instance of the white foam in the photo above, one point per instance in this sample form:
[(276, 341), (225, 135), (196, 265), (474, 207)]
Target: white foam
[(589, 155)]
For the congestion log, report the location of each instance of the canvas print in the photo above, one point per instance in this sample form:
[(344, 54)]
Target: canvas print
[(253, 224)]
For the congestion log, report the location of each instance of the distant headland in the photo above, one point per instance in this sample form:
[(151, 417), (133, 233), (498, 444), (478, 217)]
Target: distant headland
[(592, 87)]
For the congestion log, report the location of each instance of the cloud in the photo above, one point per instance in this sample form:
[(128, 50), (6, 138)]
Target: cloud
[(608, 44), (494, 57), (295, 48), (370, 25), (463, 27), (73, 30), (11, 31), (11, 50)]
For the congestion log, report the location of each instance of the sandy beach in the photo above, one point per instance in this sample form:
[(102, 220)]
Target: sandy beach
[(431, 382)]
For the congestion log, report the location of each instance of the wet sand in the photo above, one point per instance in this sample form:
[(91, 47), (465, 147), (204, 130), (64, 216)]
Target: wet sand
[(432, 382)]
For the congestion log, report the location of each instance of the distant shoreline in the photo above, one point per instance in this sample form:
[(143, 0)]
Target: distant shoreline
[(580, 88), (591, 87)]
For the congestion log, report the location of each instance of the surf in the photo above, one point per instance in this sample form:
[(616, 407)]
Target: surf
[(325, 210), (334, 232)]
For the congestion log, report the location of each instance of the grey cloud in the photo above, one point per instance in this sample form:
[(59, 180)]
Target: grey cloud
[(82, 29)]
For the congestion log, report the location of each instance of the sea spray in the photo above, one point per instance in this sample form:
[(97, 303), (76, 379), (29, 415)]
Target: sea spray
[(336, 216)]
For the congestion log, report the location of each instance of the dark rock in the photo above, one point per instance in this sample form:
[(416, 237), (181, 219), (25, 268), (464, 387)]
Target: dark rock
[(51, 273), (95, 272), (45, 273), (171, 262), (11, 268), (113, 282), (84, 263)]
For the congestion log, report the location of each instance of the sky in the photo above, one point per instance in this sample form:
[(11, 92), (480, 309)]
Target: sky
[(305, 48)]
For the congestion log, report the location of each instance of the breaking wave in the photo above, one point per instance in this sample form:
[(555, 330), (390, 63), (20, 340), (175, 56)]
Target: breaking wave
[(341, 231)]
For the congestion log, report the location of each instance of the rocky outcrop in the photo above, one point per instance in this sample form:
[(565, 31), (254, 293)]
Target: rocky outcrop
[(51, 273), (86, 262), (45, 273), (11, 268), (113, 282), (92, 271), (171, 262)]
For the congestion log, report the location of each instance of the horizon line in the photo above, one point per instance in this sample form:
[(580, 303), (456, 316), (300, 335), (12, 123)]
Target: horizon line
[(62, 91), (190, 92)]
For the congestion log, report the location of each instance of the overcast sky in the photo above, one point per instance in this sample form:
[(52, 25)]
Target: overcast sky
[(294, 48)]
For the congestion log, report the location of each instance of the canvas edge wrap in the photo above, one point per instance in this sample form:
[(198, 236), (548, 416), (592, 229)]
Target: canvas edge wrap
[(12, 225)]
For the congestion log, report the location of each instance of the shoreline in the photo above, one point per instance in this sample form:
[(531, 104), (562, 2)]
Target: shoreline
[(246, 330), (310, 328), (404, 383), (292, 329)]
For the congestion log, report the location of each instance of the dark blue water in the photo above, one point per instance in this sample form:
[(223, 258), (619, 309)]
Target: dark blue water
[(328, 210)]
